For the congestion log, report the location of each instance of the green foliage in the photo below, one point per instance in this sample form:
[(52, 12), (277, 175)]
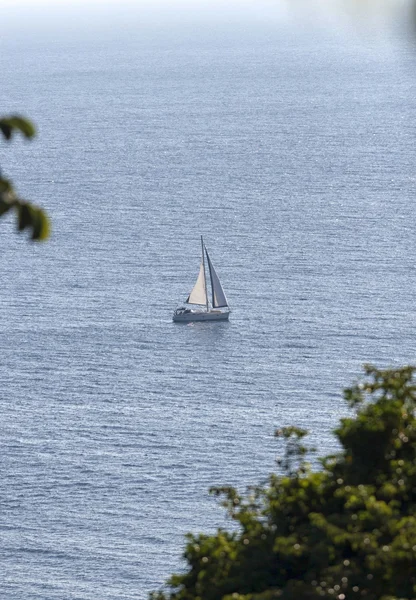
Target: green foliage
[(346, 531), (28, 215), (10, 125)]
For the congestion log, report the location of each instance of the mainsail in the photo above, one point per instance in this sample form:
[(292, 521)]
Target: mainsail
[(199, 292), (218, 297)]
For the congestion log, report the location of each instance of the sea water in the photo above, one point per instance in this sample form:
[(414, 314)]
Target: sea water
[(291, 148)]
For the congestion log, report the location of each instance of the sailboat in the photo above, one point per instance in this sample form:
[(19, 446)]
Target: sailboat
[(217, 310)]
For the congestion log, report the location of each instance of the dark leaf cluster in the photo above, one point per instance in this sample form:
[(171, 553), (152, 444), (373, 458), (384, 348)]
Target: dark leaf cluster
[(28, 215), (346, 531)]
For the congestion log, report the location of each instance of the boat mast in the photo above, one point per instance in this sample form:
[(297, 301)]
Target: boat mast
[(205, 273)]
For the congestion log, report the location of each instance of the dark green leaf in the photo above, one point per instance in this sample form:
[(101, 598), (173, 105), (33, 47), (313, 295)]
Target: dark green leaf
[(4, 207), (41, 226), (16, 123), (25, 216), (5, 186), (6, 129)]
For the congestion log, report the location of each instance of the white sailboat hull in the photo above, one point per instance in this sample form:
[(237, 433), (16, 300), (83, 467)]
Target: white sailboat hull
[(200, 315)]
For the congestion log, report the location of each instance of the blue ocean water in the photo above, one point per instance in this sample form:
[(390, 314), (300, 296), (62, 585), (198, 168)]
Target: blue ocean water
[(292, 149)]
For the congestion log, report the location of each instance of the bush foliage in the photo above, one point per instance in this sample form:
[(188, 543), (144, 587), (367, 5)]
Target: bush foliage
[(28, 215), (347, 530)]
